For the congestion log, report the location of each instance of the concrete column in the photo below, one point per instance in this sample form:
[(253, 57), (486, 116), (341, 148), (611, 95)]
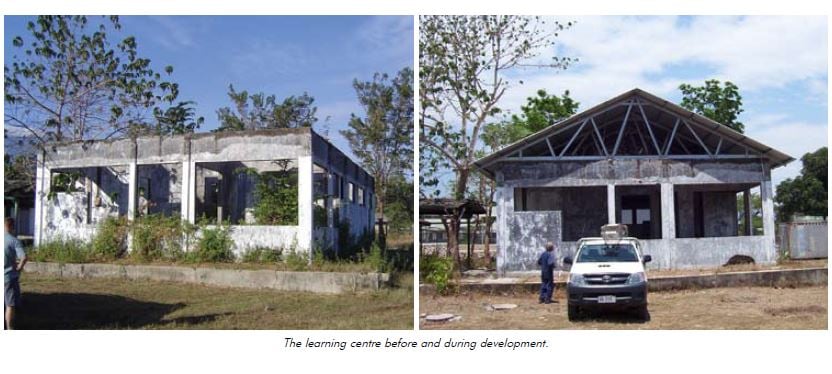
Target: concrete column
[(505, 205), (185, 196), (132, 191), (304, 232), (610, 203), (43, 183), (747, 216), (668, 211), (768, 209), (192, 192)]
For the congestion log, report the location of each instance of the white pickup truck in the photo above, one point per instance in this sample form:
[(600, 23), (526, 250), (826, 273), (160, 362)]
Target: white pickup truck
[(608, 272)]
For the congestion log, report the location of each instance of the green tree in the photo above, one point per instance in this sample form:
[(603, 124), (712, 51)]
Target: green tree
[(399, 206), (177, 119), (383, 138), (463, 61), (719, 102), (67, 82), (541, 111), (259, 111), (806, 193)]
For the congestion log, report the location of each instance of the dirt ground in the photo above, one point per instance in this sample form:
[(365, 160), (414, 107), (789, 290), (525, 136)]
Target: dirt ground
[(719, 308), (562, 275), (51, 303)]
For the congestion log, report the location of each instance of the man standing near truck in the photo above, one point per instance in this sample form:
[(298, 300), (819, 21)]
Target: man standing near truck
[(547, 273)]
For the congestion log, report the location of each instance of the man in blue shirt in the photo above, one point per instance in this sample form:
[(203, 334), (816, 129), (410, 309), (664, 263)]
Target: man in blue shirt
[(15, 259), (547, 273)]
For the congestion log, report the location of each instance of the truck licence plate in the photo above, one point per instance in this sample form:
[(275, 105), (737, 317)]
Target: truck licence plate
[(606, 299)]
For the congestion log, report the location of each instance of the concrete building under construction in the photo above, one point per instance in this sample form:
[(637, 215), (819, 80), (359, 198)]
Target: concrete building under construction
[(672, 176), (212, 177)]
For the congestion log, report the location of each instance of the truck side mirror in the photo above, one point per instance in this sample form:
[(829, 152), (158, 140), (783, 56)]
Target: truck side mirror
[(567, 260), (647, 258)]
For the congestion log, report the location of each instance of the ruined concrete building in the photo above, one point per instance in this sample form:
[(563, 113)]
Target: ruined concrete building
[(280, 189), (673, 177)]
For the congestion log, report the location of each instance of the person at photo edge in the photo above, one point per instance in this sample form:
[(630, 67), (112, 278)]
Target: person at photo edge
[(15, 260), (547, 274)]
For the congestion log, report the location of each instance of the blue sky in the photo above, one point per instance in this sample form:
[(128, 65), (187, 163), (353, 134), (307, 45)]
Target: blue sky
[(281, 55), (779, 63)]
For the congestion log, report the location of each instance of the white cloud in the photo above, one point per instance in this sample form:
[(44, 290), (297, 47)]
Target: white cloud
[(387, 35), (618, 53), (173, 34), (762, 55)]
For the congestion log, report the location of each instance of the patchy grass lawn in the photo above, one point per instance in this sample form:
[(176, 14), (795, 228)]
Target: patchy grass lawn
[(718, 308), (51, 303)]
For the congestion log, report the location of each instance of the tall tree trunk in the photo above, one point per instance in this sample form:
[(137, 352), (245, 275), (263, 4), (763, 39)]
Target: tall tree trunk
[(452, 228), (456, 216)]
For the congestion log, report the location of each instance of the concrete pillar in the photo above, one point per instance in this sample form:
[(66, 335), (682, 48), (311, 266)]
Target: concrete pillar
[(747, 216), (185, 196), (43, 181), (505, 206), (768, 208), (610, 203), (132, 191), (305, 203), (668, 211), (192, 192)]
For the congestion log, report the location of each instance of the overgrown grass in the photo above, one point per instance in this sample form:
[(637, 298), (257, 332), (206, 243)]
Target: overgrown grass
[(158, 239), (262, 255), (214, 245), (62, 251), (110, 241)]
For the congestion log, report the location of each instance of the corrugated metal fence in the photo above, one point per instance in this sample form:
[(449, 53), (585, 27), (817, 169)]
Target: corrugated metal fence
[(804, 240)]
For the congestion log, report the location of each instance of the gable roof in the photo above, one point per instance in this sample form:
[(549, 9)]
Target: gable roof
[(690, 119)]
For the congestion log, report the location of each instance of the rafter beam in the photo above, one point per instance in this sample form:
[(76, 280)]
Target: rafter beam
[(574, 136), (621, 131), (649, 129), (551, 150), (600, 138), (670, 138), (697, 137)]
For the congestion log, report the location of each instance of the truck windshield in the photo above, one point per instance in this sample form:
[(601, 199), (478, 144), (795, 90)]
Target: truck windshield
[(607, 253)]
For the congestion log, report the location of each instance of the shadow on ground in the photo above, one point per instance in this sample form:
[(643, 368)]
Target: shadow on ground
[(69, 311), (612, 317)]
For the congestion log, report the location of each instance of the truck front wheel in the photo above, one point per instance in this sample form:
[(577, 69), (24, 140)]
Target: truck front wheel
[(572, 312)]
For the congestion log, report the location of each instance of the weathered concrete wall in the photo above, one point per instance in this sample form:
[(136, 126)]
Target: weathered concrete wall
[(339, 169), (720, 214), (684, 253), (634, 172), (315, 282), (528, 233), (248, 237)]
